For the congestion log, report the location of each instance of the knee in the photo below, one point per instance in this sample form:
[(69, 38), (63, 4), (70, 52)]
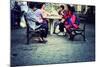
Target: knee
[(76, 26), (67, 26)]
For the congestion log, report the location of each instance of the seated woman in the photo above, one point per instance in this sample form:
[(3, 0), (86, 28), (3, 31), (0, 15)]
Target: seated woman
[(70, 21), (39, 15), (35, 19), (59, 22)]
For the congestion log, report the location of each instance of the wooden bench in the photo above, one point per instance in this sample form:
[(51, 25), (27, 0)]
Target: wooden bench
[(80, 31), (30, 32)]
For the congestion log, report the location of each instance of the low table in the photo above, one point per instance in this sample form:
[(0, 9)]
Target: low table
[(51, 19)]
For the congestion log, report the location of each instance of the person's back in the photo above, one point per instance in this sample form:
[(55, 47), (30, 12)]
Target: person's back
[(31, 19), (38, 15)]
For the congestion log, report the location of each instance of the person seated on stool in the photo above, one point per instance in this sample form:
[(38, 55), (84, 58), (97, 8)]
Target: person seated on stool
[(70, 21), (60, 22), (39, 15), (36, 21)]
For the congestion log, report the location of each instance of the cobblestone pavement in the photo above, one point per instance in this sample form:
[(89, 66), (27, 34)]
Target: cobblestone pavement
[(58, 49)]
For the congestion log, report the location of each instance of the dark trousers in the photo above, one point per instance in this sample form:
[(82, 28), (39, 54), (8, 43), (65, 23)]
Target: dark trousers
[(43, 29), (61, 27)]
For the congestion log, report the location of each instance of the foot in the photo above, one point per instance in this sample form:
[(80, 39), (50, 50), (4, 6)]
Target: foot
[(42, 40), (61, 33), (70, 38)]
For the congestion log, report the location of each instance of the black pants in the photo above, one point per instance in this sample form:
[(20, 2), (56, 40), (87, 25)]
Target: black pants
[(61, 27), (43, 29)]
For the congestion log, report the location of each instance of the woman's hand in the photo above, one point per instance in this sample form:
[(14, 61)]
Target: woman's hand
[(45, 14), (62, 12), (62, 20)]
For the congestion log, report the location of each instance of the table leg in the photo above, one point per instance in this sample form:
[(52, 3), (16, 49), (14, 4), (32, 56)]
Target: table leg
[(51, 26)]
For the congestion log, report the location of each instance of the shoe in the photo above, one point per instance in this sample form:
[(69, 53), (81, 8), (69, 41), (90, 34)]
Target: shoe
[(40, 41), (61, 33), (71, 38), (64, 33), (44, 41)]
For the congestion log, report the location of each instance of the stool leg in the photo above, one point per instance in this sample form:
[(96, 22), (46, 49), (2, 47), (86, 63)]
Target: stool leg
[(27, 35), (27, 38), (84, 32), (84, 35)]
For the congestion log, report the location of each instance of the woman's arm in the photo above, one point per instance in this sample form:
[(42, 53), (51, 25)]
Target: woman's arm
[(73, 20), (45, 13)]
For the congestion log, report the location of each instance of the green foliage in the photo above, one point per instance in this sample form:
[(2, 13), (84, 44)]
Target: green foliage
[(52, 7)]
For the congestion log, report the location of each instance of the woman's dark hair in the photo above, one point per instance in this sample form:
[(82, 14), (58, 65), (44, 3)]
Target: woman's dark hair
[(39, 5), (72, 9), (69, 7), (31, 4), (62, 6)]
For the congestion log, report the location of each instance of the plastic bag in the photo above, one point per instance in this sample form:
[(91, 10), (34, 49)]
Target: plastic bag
[(23, 22)]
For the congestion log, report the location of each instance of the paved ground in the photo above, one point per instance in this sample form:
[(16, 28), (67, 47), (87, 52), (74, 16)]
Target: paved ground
[(58, 49)]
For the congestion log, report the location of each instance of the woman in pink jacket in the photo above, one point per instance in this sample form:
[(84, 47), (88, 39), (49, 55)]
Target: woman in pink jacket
[(70, 21)]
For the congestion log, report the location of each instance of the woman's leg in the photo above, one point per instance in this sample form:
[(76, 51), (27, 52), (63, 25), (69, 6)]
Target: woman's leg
[(56, 23), (44, 31), (61, 27), (45, 27), (75, 26), (69, 31)]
